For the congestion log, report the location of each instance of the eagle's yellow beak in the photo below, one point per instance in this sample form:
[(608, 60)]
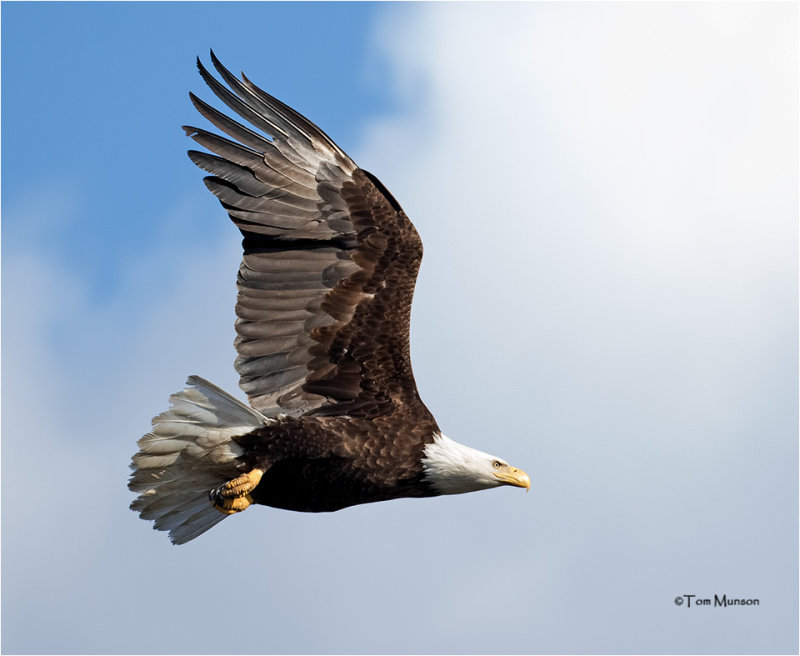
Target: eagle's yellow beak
[(513, 476)]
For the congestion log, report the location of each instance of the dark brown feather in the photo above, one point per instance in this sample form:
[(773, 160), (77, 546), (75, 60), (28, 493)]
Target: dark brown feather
[(330, 262)]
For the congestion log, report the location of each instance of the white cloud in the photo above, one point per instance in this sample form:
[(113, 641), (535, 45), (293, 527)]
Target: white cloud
[(608, 199)]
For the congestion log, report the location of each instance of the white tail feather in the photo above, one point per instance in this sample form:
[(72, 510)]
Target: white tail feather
[(189, 452)]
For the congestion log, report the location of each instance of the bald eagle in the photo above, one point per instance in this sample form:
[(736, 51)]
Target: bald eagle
[(324, 300)]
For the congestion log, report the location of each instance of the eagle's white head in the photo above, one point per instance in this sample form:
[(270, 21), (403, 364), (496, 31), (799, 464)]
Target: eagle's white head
[(453, 468)]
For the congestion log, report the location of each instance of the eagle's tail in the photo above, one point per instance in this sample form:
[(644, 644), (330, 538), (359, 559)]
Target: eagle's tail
[(188, 453)]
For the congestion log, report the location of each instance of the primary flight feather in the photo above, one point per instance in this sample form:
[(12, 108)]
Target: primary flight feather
[(324, 301)]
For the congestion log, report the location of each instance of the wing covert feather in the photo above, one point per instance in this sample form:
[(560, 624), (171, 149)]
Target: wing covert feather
[(329, 265)]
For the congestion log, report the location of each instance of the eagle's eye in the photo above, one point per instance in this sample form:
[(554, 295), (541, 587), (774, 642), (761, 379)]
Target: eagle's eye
[(497, 464)]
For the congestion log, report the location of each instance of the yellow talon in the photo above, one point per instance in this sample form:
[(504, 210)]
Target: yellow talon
[(234, 496), (232, 506)]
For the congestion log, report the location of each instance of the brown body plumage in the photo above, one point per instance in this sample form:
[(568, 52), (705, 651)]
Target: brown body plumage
[(323, 310), (318, 464)]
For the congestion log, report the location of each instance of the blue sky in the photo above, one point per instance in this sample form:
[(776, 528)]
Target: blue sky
[(108, 84), (608, 197)]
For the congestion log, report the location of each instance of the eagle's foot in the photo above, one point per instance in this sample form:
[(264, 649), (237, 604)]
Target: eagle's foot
[(234, 496)]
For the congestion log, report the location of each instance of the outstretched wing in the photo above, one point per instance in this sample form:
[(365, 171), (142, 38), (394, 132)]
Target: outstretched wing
[(330, 261)]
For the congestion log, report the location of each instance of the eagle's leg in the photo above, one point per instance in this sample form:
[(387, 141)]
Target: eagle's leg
[(234, 496)]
